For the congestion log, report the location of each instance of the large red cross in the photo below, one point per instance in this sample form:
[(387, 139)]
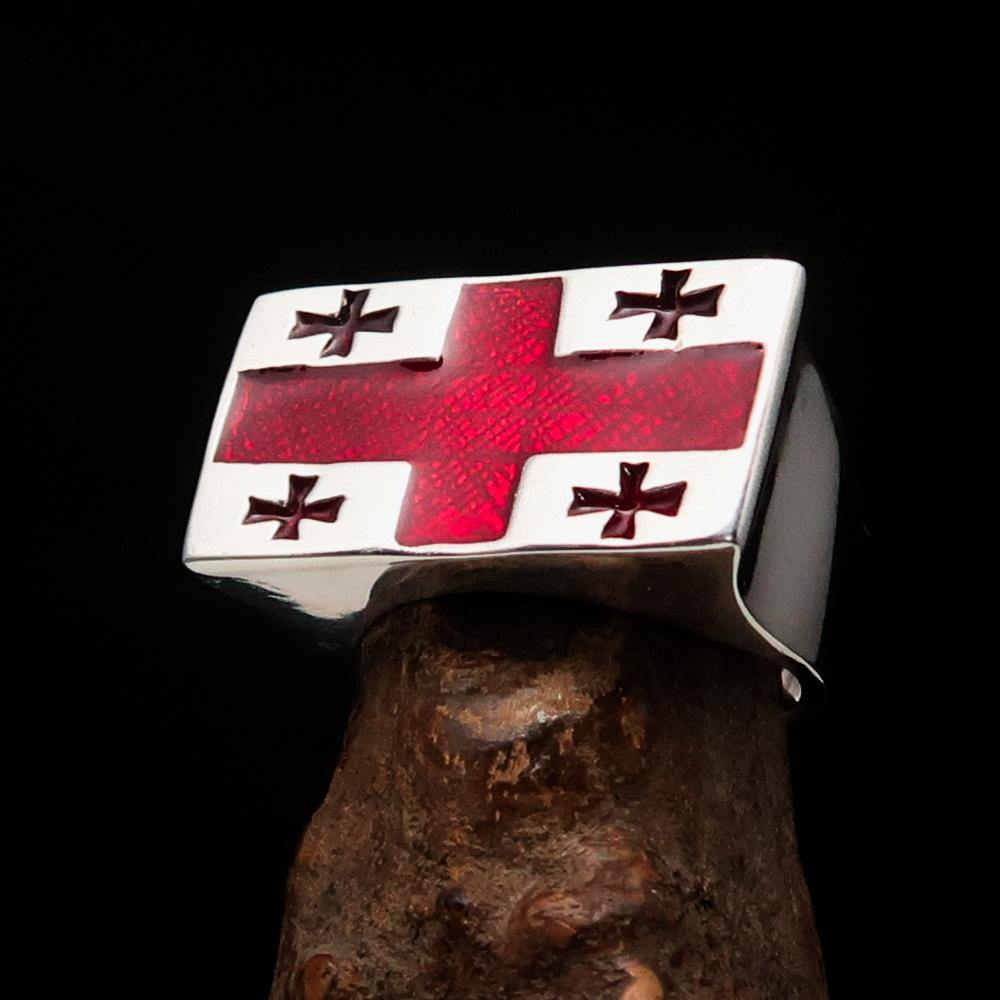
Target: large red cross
[(467, 424)]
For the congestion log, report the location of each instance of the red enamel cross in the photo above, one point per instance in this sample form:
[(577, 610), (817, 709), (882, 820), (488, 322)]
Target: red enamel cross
[(498, 396)]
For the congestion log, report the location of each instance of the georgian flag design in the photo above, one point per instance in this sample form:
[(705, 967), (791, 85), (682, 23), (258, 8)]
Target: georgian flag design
[(468, 416)]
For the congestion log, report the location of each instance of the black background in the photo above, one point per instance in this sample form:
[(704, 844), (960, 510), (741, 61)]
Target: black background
[(167, 744)]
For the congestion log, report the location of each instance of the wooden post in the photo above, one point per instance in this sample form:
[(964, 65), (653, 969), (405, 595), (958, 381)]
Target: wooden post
[(548, 800)]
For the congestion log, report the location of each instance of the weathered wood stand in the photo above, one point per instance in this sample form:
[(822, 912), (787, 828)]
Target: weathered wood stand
[(541, 800)]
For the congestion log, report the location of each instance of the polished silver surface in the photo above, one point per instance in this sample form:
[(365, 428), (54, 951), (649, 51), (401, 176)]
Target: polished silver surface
[(744, 559)]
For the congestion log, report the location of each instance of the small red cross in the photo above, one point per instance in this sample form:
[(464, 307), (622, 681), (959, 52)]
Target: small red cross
[(342, 325), (669, 305), (628, 501), (294, 509), (467, 424)]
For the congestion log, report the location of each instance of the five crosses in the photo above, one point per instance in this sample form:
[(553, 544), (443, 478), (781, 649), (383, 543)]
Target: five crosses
[(667, 307)]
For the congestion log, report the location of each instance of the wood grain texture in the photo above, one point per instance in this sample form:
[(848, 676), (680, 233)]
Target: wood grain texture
[(545, 800)]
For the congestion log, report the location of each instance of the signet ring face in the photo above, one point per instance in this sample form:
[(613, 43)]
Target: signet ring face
[(643, 437)]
